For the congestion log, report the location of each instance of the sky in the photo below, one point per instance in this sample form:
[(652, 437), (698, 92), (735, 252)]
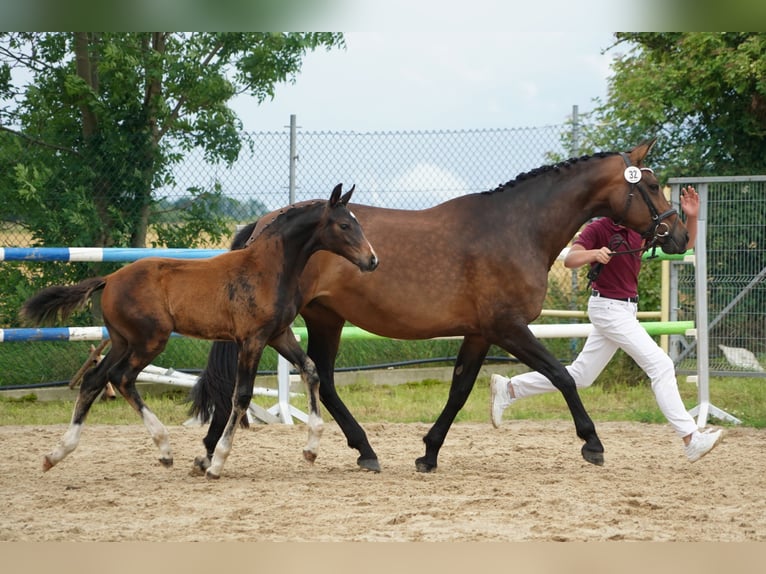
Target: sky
[(444, 78)]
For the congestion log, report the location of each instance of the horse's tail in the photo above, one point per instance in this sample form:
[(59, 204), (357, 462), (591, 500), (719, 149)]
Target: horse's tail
[(59, 300), (211, 395)]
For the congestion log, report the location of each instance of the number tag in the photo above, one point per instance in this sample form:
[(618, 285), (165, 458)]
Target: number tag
[(632, 174)]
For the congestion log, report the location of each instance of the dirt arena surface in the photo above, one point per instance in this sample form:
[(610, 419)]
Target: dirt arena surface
[(523, 482)]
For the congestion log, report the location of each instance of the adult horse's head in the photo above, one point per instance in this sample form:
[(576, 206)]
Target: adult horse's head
[(341, 233), (636, 201)]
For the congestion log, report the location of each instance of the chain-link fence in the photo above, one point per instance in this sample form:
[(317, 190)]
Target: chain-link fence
[(402, 170), (413, 170), (405, 170)]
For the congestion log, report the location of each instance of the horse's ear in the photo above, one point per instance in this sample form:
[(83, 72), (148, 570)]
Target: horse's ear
[(335, 194), (345, 199), (639, 153)]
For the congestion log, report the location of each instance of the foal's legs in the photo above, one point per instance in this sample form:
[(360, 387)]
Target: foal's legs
[(324, 339), (288, 347), (469, 361), (247, 365), (93, 383), (124, 374)]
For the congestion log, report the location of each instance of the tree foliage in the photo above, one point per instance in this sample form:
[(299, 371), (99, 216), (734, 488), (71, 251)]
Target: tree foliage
[(702, 93), (94, 122), (92, 125)]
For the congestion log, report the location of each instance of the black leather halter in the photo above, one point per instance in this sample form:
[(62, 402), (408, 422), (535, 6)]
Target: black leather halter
[(658, 228)]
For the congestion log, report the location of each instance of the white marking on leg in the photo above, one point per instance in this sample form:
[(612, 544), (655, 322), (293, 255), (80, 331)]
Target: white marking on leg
[(316, 426), (220, 454), (159, 435), (68, 443)]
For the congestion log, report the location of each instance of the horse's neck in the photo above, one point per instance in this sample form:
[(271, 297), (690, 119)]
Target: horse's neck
[(292, 242), (554, 213)]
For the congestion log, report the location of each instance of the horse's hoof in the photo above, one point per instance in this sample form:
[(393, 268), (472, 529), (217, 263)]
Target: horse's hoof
[(423, 466), (593, 457), (370, 464), (47, 464), (210, 476), (200, 465), (166, 462), (309, 456)]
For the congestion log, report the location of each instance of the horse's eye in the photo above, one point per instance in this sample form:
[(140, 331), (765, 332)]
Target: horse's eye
[(344, 226)]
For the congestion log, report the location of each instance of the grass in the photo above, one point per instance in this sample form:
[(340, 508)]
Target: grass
[(422, 401)]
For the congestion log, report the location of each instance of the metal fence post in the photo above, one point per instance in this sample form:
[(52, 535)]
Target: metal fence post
[(704, 408)]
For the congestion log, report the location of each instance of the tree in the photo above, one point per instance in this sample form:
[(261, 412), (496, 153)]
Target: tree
[(703, 94), (92, 125), (105, 116)]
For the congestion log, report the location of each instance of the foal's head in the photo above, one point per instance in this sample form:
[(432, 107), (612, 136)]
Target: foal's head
[(637, 202), (340, 232)]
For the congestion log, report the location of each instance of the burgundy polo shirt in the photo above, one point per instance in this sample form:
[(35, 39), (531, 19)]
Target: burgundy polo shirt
[(619, 277)]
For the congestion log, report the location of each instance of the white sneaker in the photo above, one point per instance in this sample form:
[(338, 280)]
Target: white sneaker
[(499, 398), (702, 443)]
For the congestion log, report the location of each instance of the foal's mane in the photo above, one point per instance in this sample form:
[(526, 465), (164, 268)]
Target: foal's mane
[(284, 215), (556, 167)]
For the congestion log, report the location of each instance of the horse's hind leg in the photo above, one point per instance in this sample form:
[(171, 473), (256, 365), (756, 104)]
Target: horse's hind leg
[(469, 361), (521, 343), (288, 347), (93, 383), (123, 375)]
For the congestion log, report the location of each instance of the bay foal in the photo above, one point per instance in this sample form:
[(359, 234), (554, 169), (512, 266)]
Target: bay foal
[(249, 296)]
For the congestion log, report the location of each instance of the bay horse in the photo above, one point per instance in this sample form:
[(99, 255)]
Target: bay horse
[(474, 266), (249, 296)]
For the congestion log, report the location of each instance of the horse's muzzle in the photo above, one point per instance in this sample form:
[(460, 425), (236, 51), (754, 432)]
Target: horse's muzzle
[(673, 244), (372, 264)]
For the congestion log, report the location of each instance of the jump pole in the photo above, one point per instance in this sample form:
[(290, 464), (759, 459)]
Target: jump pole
[(282, 410)]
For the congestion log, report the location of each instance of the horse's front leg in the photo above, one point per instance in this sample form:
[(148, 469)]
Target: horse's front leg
[(247, 365), (324, 340), (527, 348), (469, 361), (286, 345)]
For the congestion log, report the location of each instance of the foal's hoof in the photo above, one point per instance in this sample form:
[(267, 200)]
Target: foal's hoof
[(592, 457), (47, 464), (309, 456), (210, 476), (166, 462), (422, 465), (201, 464), (370, 464)]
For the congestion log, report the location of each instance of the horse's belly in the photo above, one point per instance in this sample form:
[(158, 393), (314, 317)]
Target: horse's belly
[(405, 318)]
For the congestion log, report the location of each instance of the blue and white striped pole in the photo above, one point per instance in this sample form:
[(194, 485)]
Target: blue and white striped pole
[(113, 254)]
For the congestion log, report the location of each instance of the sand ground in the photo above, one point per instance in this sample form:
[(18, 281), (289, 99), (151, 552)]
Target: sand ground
[(523, 482)]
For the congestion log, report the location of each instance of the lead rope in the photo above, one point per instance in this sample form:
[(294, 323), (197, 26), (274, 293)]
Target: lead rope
[(614, 244)]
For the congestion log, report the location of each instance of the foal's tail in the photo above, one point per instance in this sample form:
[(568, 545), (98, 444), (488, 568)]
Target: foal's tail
[(59, 301)]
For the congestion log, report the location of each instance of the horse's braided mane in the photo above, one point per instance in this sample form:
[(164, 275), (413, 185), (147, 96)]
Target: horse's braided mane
[(547, 169)]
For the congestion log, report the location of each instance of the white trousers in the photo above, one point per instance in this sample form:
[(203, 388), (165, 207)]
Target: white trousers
[(615, 326)]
